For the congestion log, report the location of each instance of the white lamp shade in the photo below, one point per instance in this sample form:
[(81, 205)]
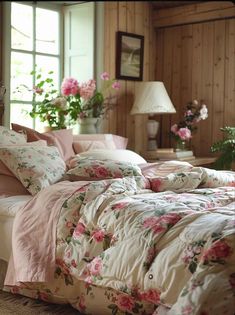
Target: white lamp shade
[(152, 98)]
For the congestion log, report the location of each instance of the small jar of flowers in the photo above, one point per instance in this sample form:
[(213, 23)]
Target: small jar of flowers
[(182, 132)]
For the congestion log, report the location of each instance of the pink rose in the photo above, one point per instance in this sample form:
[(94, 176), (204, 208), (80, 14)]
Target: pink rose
[(101, 171), (150, 222), (152, 295), (155, 184), (174, 128), (184, 133), (98, 235), (95, 266), (80, 229), (158, 229), (69, 86), (116, 85), (125, 302), (119, 205), (170, 218), (219, 249), (104, 76)]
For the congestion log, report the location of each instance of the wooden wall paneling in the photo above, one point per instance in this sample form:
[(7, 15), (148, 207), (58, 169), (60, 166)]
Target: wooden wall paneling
[(122, 110), (140, 125), (107, 57), (167, 80), (111, 13), (159, 71), (218, 80), (1, 61), (186, 67), (196, 79), (130, 85), (176, 77), (147, 63), (194, 13), (207, 86), (229, 95), (1, 36)]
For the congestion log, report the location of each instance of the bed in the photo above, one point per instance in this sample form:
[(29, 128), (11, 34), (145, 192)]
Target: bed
[(111, 234)]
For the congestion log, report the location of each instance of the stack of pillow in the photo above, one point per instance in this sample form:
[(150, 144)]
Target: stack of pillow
[(31, 161)]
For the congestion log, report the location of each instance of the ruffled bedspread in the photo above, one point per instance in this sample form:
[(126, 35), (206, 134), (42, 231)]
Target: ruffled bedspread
[(160, 245)]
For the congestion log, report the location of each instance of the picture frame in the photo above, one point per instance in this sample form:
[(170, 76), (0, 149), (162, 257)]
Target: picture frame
[(129, 56)]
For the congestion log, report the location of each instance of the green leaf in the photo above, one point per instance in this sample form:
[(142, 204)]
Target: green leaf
[(192, 266)]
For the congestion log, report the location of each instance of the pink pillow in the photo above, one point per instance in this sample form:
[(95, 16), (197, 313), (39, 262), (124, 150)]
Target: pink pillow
[(62, 139), (86, 145), (119, 141), (11, 186)]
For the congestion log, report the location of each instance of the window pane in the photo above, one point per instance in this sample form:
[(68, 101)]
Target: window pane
[(20, 115), (47, 31), (46, 64), (21, 66), (21, 26)]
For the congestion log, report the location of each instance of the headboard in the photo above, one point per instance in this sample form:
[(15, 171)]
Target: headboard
[(1, 112)]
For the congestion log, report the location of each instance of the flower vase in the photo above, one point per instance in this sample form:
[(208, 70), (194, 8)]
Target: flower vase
[(181, 145), (87, 125)]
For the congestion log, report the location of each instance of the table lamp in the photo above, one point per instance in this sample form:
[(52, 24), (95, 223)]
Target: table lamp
[(152, 98)]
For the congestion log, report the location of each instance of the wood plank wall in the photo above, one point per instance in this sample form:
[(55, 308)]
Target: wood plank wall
[(195, 58), (132, 17), (1, 61), (197, 61)]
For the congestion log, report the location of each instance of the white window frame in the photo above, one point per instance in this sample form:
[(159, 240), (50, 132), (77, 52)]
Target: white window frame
[(7, 48)]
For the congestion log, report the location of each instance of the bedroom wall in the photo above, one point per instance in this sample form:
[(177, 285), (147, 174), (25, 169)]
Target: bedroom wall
[(1, 18), (191, 49), (197, 61), (132, 17)]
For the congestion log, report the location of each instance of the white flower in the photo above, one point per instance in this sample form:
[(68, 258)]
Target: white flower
[(203, 112), (195, 102), (60, 102)]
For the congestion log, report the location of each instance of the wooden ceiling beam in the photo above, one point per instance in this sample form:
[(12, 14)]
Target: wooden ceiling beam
[(193, 13)]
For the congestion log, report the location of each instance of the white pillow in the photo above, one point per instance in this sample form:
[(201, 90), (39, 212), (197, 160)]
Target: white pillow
[(9, 137), (115, 155), (35, 166)]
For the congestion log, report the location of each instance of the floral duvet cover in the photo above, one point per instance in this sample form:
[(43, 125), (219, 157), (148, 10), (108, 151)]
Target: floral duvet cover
[(130, 246)]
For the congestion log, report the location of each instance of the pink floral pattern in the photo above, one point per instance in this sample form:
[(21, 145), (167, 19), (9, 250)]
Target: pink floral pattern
[(117, 243), (37, 167), (93, 168), (217, 253)]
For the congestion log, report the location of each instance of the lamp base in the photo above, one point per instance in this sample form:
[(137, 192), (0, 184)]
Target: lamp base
[(152, 144), (152, 129)]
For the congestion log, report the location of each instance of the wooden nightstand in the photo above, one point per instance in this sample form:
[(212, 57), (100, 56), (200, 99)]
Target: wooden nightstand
[(198, 161)]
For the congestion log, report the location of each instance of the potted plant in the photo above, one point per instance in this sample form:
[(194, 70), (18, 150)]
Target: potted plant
[(226, 147)]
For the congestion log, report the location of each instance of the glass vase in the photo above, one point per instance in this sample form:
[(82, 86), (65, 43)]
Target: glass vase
[(181, 145)]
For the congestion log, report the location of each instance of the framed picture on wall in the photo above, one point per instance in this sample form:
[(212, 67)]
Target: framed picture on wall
[(129, 56)]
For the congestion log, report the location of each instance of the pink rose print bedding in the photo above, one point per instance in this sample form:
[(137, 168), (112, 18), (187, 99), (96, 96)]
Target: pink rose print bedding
[(131, 245)]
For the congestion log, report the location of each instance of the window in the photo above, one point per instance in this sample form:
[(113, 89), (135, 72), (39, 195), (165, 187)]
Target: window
[(35, 42)]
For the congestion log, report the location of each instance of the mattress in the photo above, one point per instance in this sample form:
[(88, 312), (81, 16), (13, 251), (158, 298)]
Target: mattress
[(8, 209)]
